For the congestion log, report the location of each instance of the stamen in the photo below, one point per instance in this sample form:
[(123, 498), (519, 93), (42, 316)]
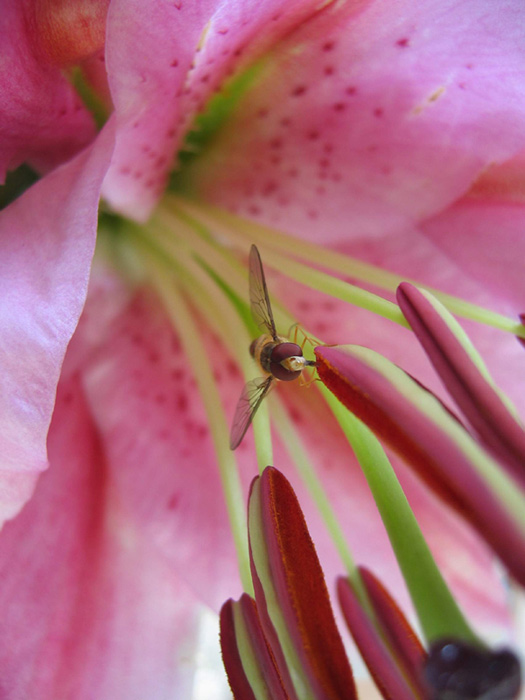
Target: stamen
[(382, 664), (306, 470), (436, 608), (417, 425), (247, 658), (291, 593), (232, 226), (489, 412), (180, 315), (311, 277)]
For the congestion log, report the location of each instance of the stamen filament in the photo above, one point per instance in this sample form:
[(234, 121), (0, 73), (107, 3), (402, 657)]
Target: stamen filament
[(438, 612), (263, 438), (180, 315), (304, 466), (313, 278), (226, 324), (267, 237), (224, 263)]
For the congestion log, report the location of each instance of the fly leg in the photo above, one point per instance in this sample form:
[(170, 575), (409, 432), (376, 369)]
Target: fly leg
[(306, 338)]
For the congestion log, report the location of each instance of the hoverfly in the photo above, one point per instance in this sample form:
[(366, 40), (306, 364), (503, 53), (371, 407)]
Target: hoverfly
[(277, 357)]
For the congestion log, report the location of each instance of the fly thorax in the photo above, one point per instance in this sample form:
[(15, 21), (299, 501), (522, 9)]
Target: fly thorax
[(261, 350)]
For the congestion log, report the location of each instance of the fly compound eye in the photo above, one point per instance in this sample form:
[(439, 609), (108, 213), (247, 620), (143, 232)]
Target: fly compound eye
[(283, 351), (283, 374)]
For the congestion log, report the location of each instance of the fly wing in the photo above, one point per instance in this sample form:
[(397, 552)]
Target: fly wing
[(250, 400), (259, 299)]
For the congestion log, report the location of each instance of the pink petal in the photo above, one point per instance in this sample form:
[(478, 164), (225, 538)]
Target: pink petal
[(157, 440), (89, 608), (108, 298), (365, 120), (164, 62), (42, 118), (485, 237), (47, 240)]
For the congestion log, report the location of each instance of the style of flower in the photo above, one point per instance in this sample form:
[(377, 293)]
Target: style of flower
[(375, 138)]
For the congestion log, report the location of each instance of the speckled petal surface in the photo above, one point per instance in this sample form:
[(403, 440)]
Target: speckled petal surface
[(90, 608), (373, 116), (42, 119), (164, 61), (157, 440)]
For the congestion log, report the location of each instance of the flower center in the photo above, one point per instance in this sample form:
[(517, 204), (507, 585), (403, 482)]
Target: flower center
[(194, 256)]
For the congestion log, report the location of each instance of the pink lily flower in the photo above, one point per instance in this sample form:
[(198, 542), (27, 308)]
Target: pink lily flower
[(372, 129)]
